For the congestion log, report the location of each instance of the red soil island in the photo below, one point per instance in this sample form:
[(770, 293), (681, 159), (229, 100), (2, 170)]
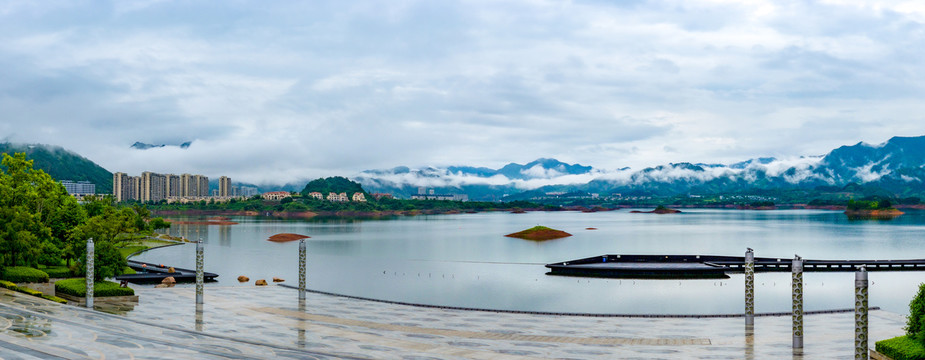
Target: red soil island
[(286, 237), (659, 210), (881, 214), (539, 233), (206, 222)]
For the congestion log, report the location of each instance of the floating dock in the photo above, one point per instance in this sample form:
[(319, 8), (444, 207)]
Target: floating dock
[(709, 266), (155, 273)]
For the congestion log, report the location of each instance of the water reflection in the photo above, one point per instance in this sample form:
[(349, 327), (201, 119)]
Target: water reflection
[(224, 235), (300, 326), (199, 317), (750, 342)]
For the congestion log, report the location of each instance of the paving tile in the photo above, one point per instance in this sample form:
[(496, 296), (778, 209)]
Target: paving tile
[(270, 322)]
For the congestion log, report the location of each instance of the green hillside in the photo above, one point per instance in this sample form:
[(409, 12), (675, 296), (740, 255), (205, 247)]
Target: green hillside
[(336, 184), (62, 164)]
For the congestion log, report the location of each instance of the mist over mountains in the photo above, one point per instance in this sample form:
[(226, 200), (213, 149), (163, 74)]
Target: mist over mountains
[(896, 166)]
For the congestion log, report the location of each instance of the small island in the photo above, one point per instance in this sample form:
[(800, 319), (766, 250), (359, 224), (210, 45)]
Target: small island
[(658, 210), (759, 205), (287, 237), (539, 233), (876, 210)]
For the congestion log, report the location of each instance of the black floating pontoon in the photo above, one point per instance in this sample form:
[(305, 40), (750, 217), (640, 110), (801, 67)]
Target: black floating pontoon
[(709, 266), (154, 273)]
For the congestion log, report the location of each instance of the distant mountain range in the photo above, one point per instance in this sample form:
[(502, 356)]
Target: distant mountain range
[(63, 164), (897, 167), (142, 146)]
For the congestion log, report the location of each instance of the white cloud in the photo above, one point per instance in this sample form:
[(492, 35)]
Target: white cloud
[(282, 92)]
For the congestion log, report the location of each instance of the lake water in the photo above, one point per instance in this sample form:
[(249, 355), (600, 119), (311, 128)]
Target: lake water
[(464, 260)]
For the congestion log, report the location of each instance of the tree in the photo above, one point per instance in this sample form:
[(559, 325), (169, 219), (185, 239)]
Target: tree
[(158, 223), (29, 199), (915, 326)]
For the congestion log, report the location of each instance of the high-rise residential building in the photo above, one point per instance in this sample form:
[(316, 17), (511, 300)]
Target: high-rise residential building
[(153, 186), (136, 187), (186, 186), (173, 185), (202, 185), (224, 186), (123, 187)]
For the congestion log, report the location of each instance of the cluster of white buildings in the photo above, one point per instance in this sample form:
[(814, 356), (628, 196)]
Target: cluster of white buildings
[(428, 194), (341, 197), (152, 186)]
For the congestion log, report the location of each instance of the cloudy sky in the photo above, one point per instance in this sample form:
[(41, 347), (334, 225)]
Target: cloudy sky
[(281, 91)]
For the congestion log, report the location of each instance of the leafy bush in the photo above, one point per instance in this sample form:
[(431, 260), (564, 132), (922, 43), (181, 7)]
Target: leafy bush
[(22, 274), (55, 299), (8, 285), (59, 272), (109, 262), (29, 291), (78, 287), (901, 348), (915, 326), (12, 286)]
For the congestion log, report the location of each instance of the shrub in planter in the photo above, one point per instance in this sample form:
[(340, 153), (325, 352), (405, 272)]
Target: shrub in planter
[(59, 272), (78, 287), (8, 285), (55, 299), (915, 326), (901, 348), (23, 274), (12, 286)]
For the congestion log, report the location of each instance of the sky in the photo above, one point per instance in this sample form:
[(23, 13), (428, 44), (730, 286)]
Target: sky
[(276, 92)]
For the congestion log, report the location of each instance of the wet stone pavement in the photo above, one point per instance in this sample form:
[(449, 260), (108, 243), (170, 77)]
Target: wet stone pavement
[(269, 323)]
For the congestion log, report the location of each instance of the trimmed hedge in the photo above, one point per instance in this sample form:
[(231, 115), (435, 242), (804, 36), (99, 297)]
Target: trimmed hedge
[(59, 272), (23, 274), (54, 298), (12, 286), (78, 287), (8, 285), (901, 348)]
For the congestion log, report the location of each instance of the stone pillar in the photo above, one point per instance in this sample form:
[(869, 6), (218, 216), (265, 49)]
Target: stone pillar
[(90, 274), (797, 285), (860, 314), (749, 287), (302, 269), (199, 275)]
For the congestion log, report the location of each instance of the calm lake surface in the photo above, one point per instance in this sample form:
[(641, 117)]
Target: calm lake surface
[(464, 260)]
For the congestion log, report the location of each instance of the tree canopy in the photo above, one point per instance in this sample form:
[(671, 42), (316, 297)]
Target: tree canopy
[(41, 223), (335, 184)]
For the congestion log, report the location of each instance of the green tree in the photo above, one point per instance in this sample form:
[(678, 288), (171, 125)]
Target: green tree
[(915, 326), (29, 199)]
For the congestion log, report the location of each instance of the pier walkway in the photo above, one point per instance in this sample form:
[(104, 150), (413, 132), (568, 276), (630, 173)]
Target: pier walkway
[(711, 266), (269, 323)]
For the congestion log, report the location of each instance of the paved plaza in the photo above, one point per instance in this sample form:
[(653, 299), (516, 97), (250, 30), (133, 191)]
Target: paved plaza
[(269, 322)]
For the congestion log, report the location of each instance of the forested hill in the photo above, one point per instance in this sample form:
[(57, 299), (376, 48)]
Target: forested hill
[(335, 184), (63, 164)]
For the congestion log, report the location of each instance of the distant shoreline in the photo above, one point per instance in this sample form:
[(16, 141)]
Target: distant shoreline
[(396, 213)]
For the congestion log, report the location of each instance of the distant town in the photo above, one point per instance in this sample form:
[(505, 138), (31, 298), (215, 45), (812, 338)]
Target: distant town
[(186, 188)]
